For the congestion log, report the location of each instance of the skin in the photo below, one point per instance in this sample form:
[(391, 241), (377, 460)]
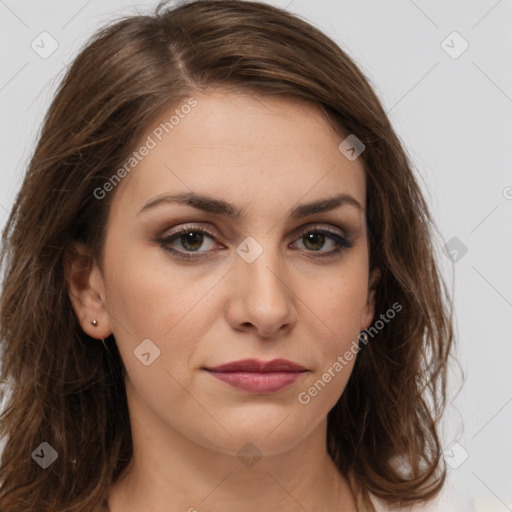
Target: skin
[(264, 155)]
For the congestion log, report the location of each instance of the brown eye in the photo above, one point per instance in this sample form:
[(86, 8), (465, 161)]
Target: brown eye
[(190, 240), (314, 240)]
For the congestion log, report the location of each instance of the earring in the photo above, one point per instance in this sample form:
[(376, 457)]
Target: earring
[(95, 323), (364, 337)]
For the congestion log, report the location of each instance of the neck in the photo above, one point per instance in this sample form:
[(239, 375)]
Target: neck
[(171, 473)]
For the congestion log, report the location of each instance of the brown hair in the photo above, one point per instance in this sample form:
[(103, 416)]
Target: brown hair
[(66, 391)]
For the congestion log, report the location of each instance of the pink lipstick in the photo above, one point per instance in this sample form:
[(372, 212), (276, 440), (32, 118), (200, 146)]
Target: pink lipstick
[(257, 376)]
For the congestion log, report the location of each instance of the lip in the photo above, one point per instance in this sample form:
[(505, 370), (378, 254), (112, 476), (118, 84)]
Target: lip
[(255, 365), (255, 376)]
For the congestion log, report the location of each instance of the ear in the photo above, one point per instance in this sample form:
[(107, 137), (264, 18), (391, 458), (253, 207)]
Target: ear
[(369, 310), (86, 291)]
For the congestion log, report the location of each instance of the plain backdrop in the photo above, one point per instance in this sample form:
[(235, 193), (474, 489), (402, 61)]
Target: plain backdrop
[(443, 73)]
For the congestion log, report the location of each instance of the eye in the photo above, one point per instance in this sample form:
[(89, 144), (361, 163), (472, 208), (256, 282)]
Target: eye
[(315, 239), (191, 239)]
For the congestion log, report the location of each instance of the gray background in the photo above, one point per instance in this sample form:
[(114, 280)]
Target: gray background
[(454, 117)]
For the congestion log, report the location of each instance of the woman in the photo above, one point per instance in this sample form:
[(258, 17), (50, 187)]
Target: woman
[(220, 288)]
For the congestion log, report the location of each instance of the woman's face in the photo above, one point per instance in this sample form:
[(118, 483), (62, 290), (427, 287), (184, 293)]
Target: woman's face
[(264, 281)]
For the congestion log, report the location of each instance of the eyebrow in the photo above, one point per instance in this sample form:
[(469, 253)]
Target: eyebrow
[(220, 207)]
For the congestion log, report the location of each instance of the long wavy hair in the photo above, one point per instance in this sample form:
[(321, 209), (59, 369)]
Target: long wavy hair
[(60, 388)]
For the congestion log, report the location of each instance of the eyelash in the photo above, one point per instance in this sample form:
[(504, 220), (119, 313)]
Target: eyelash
[(343, 242)]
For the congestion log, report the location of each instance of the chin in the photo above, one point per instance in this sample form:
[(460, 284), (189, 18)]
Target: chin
[(265, 437)]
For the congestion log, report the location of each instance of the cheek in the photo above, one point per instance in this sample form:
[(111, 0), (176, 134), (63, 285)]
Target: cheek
[(147, 294), (337, 316), (339, 301), (146, 304)]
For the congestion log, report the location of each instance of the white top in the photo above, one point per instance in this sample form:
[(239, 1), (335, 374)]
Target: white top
[(446, 501)]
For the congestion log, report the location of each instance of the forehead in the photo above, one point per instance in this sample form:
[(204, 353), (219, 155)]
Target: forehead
[(245, 149)]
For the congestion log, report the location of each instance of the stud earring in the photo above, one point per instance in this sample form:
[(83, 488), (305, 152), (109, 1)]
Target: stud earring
[(95, 323), (364, 337)]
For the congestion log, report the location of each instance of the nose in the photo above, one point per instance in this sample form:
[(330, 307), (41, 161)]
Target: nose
[(261, 296)]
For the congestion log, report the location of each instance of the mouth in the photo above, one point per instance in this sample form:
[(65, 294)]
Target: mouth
[(255, 376)]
